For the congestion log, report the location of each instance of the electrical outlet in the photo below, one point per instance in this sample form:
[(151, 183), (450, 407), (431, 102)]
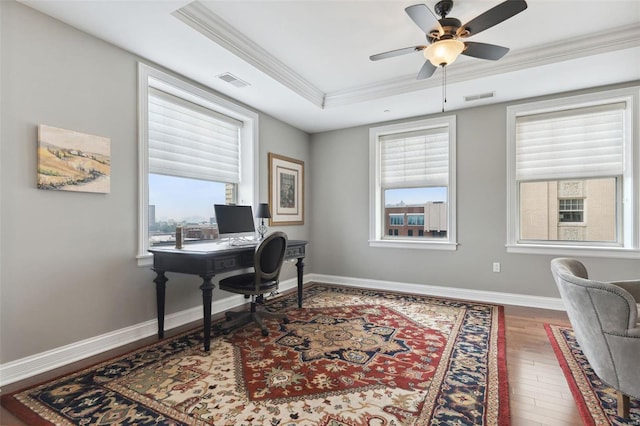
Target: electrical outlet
[(496, 266)]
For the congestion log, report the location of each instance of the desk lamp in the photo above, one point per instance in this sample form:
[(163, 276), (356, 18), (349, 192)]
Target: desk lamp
[(263, 213)]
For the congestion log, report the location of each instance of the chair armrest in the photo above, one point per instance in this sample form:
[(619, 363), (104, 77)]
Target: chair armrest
[(632, 286), (634, 332)]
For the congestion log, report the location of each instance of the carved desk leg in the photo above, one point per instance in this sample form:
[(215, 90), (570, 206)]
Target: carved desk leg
[(300, 267), (161, 285), (207, 290)]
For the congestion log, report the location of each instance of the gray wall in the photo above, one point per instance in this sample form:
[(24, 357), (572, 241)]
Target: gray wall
[(340, 227), (68, 270)]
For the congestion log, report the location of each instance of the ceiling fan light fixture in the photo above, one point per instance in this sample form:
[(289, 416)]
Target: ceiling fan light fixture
[(443, 52)]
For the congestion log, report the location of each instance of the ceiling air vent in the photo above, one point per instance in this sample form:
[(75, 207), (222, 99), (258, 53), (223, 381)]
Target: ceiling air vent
[(480, 96), (233, 80)]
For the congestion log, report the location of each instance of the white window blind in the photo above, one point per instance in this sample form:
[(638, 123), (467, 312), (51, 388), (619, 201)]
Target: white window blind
[(575, 143), (188, 140), (415, 159)]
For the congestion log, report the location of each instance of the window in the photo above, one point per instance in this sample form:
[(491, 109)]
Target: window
[(571, 174), (396, 219), (571, 210), (195, 150), (415, 219), (412, 168)]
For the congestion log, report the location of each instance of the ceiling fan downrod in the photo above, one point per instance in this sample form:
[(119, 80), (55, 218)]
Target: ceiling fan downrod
[(443, 7)]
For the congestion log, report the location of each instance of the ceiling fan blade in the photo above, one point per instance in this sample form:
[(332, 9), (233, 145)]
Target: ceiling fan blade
[(423, 17), (484, 50), (397, 52), (491, 17), (426, 71)]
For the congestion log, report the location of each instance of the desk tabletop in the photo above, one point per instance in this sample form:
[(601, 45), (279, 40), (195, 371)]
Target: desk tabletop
[(214, 247)]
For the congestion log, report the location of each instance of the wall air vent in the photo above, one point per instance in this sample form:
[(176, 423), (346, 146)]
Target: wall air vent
[(233, 80), (480, 96)]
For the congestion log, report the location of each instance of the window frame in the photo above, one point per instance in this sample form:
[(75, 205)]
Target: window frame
[(247, 189), (376, 197), (628, 229)]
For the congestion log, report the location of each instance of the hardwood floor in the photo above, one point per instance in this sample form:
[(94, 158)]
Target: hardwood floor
[(539, 394), (538, 391)]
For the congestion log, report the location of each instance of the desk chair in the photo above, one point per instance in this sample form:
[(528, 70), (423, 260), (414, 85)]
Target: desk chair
[(267, 260)]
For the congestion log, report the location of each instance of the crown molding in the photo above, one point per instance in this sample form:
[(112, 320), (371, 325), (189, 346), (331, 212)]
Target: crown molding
[(202, 19), (574, 48)]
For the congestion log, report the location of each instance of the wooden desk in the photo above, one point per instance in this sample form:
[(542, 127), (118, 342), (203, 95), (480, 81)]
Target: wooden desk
[(207, 260)]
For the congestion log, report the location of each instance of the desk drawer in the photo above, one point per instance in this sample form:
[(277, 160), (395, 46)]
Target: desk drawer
[(294, 252), (233, 262)]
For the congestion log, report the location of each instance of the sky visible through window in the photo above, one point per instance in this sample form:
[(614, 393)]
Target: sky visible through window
[(183, 199), (414, 196)]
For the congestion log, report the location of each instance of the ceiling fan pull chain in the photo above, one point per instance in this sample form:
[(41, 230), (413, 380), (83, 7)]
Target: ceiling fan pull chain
[(444, 86)]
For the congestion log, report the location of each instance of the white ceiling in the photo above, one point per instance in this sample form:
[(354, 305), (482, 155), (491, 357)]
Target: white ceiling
[(307, 62)]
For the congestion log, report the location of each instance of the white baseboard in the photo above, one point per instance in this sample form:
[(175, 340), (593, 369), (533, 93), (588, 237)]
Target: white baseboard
[(441, 291), (39, 363)]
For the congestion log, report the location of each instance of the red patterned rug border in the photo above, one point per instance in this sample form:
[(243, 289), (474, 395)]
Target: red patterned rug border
[(11, 404), (578, 397), (597, 401), (503, 379)]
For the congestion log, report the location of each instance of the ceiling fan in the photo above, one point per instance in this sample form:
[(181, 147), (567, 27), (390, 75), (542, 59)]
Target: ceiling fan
[(444, 34)]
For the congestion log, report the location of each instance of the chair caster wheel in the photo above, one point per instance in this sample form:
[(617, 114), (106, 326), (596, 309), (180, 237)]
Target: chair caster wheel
[(225, 331), (265, 333)]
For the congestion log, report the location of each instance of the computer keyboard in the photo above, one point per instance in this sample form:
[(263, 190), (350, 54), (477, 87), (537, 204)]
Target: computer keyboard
[(243, 243)]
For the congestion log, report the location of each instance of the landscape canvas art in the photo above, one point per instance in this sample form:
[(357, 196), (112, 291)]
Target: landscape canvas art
[(73, 161)]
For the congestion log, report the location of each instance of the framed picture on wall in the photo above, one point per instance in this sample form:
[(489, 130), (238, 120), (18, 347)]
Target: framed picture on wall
[(73, 161), (286, 190)]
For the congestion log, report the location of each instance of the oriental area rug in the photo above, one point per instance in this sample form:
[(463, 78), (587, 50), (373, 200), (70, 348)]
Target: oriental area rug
[(349, 357), (597, 402)]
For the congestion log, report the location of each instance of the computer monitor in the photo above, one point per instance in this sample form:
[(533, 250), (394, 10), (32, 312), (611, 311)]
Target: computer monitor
[(234, 219)]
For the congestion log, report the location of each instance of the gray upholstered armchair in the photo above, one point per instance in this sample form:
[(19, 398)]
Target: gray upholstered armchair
[(604, 317)]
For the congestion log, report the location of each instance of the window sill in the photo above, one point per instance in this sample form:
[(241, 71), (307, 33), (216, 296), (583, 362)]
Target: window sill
[(145, 260), (420, 245), (573, 251)]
